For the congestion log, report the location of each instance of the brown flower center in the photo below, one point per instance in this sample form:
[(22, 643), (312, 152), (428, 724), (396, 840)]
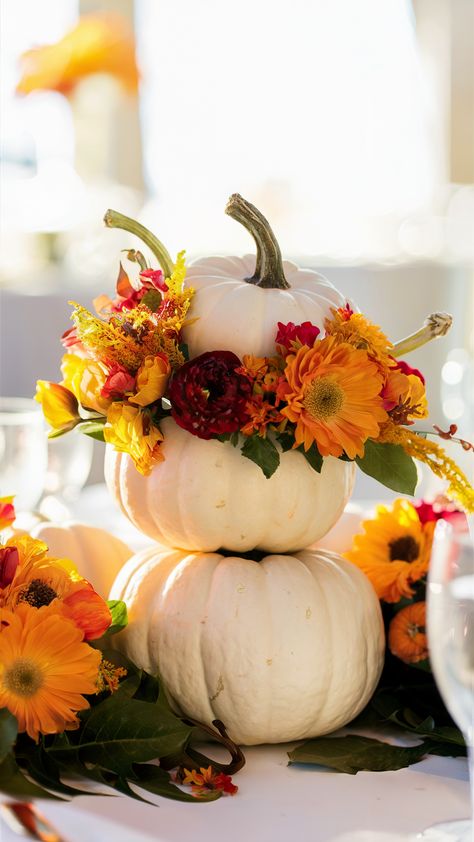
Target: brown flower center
[(323, 398), (38, 593), (404, 549), (23, 678)]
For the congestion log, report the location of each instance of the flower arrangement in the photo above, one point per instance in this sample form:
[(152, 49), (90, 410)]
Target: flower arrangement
[(393, 550), (339, 388), (68, 705)]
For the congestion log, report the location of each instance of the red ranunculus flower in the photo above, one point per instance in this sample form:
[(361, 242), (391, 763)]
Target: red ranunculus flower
[(208, 397), (407, 369), (153, 278), (118, 381), (305, 333), (9, 561)]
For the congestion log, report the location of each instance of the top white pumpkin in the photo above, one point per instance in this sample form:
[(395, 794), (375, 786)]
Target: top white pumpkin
[(235, 315)]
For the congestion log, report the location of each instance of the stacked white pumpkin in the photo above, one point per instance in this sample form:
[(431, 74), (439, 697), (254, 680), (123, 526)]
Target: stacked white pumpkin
[(280, 643)]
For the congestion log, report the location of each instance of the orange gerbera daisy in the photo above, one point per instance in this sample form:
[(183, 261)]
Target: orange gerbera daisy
[(333, 396), (407, 634), (39, 582), (45, 669), (394, 551), (358, 331)]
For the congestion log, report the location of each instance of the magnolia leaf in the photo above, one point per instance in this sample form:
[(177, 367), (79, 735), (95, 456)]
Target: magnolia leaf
[(389, 465), (8, 732), (14, 783), (117, 735), (313, 456), (263, 452), (118, 609), (286, 440), (46, 772), (352, 754)]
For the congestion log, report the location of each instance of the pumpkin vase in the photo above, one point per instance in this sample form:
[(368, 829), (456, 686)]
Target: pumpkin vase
[(285, 648), (205, 496)]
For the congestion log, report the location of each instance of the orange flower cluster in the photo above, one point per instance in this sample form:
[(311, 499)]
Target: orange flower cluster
[(264, 374), (48, 613), (207, 780), (118, 365), (394, 552)]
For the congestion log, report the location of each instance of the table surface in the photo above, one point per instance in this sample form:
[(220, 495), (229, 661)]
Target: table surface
[(275, 802)]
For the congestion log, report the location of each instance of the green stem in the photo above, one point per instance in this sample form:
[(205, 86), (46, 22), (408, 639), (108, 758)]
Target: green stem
[(435, 325), (114, 219), (269, 272)]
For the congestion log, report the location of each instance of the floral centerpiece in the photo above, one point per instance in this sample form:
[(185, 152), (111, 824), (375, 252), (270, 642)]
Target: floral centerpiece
[(339, 388), (68, 708)]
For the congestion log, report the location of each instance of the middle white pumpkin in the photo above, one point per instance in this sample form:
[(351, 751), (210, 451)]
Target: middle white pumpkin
[(206, 496)]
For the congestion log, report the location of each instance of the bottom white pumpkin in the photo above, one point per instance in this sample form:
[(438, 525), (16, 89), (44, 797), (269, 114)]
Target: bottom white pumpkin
[(285, 648)]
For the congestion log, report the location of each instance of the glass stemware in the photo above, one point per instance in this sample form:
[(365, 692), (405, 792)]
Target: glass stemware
[(23, 451), (450, 627)]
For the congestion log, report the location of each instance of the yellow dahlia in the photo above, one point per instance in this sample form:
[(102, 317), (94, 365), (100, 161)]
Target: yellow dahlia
[(358, 331), (131, 431), (45, 669), (333, 396), (85, 378), (394, 550)]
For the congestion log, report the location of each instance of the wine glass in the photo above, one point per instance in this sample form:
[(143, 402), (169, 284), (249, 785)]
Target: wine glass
[(23, 451), (450, 626)]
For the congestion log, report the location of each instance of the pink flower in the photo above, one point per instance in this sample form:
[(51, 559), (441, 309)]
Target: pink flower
[(441, 509), (7, 511), (118, 381), (9, 561), (303, 334), (154, 277), (407, 369)]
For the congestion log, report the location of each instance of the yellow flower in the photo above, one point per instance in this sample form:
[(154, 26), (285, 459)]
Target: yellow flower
[(152, 380), (394, 551), (358, 331), (85, 378), (60, 407), (44, 670), (332, 391), (132, 432)]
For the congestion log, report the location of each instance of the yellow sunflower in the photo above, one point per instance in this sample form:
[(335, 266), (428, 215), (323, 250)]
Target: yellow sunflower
[(394, 551), (358, 331), (45, 669), (332, 391)]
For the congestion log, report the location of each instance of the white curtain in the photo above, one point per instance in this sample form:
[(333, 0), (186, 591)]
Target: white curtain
[(316, 110)]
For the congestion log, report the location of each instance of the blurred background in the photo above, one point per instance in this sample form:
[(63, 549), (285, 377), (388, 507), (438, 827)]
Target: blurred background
[(350, 125)]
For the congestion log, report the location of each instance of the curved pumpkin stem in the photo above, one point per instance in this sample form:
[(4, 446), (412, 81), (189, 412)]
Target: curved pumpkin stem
[(236, 753), (269, 272), (114, 219)]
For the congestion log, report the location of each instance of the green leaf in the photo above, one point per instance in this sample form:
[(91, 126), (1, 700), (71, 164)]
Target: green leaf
[(118, 609), (389, 465), (46, 772), (263, 452), (117, 735), (14, 783), (152, 299), (93, 429), (286, 440), (8, 732), (313, 456), (352, 754)]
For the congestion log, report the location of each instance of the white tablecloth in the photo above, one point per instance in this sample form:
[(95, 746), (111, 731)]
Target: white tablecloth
[(275, 802)]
